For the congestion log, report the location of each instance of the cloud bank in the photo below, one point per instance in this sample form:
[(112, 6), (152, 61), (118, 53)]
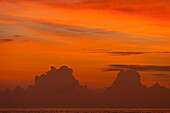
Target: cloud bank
[(58, 88)]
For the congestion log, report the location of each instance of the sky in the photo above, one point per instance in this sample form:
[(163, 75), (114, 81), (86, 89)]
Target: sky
[(96, 38)]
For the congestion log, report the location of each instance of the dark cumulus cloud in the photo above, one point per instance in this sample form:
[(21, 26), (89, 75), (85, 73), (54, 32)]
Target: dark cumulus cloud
[(115, 67), (58, 88)]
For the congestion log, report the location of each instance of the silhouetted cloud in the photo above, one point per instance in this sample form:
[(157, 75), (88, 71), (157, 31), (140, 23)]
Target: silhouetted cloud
[(132, 53), (11, 38), (56, 79), (115, 67), (126, 80), (159, 74), (128, 89), (122, 53), (127, 53), (6, 40), (17, 36), (58, 88)]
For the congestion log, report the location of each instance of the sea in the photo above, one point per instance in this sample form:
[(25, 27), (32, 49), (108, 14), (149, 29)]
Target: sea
[(84, 110)]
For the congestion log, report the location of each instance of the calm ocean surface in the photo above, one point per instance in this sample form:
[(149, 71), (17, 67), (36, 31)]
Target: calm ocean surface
[(84, 110)]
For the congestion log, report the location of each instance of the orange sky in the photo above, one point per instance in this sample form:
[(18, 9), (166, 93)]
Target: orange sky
[(35, 34)]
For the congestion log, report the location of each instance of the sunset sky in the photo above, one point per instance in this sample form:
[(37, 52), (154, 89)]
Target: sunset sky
[(92, 37)]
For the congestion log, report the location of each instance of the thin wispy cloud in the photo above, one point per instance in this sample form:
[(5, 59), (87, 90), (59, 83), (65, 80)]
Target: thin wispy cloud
[(165, 75), (6, 40), (122, 53), (116, 67), (132, 53), (73, 30), (150, 8)]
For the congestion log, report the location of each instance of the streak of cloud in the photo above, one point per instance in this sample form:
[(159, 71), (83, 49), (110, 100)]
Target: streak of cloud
[(131, 53), (6, 40), (116, 67), (159, 74), (73, 30)]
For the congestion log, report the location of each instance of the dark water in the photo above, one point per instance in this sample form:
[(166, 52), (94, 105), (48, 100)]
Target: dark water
[(85, 110)]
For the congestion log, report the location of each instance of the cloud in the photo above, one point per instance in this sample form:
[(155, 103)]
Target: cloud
[(50, 1), (127, 53), (73, 30), (89, 32), (131, 53), (151, 8), (11, 38), (156, 8), (6, 40), (59, 88), (158, 74), (60, 29), (122, 53), (115, 67), (17, 36)]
